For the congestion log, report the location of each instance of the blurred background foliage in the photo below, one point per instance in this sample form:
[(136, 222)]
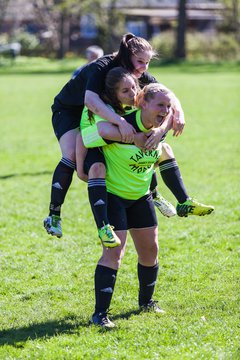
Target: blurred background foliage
[(55, 27)]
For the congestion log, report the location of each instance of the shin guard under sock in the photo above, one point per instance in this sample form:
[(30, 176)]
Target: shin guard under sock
[(105, 279), (171, 176), (147, 276), (61, 182), (97, 193)]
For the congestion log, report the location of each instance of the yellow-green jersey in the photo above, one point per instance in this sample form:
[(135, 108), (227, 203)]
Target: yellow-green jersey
[(89, 131), (129, 169)]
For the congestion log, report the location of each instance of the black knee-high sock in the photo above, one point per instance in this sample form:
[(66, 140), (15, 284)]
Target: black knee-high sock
[(153, 185), (97, 193), (105, 279), (171, 176), (61, 181), (147, 276)]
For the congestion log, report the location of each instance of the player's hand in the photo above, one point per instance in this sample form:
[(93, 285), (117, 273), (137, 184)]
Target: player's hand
[(127, 131), (154, 138), (140, 140), (178, 123)]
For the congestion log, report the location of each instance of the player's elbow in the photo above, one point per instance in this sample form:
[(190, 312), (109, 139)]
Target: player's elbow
[(102, 130), (87, 101)]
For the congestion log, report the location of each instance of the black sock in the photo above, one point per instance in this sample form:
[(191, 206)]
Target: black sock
[(147, 276), (97, 193), (153, 185), (61, 181), (105, 279), (172, 178)]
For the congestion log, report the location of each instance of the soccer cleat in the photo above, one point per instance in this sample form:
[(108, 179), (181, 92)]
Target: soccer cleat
[(164, 206), (52, 225), (193, 207), (152, 307), (108, 236), (101, 319)]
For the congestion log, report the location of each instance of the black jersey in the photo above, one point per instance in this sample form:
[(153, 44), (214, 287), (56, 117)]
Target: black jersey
[(91, 77)]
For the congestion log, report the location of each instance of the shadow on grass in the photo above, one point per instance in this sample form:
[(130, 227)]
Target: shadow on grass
[(18, 336), (40, 173), (69, 325), (126, 315)]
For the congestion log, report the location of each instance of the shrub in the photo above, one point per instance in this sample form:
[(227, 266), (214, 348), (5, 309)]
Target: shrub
[(212, 47), (199, 46), (30, 43), (164, 45)]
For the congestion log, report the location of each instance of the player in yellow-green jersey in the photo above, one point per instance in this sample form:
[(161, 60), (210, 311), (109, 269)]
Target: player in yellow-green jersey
[(130, 205)]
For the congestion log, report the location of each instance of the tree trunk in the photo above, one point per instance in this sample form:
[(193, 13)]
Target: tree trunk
[(64, 34), (180, 52), (111, 25), (236, 22)]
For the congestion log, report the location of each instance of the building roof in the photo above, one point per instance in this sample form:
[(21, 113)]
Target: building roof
[(171, 14)]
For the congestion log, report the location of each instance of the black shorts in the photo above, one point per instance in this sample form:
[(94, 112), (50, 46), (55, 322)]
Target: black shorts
[(131, 214), (93, 156), (65, 120)]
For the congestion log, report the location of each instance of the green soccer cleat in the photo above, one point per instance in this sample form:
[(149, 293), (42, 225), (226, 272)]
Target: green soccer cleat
[(152, 306), (52, 225), (108, 237), (164, 206), (101, 319), (193, 207)]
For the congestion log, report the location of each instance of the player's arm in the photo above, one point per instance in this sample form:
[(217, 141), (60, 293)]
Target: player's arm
[(111, 132), (97, 135), (178, 117), (97, 106)]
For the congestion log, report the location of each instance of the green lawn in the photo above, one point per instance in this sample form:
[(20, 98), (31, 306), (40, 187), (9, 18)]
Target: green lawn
[(47, 292)]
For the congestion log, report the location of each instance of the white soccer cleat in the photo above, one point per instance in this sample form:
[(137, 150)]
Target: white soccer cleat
[(164, 206)]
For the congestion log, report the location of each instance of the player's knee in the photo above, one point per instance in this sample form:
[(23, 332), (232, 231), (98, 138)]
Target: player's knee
[(150, 255), (69, 154), (97, 170), (167, 152), (112, 258)]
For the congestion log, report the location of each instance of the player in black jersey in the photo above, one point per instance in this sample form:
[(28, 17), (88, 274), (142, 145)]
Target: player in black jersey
[(134, 54)]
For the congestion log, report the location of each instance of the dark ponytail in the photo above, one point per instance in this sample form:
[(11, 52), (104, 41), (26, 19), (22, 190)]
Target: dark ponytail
[(123, 56)]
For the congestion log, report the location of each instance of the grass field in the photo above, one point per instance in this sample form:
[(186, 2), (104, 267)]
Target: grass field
[(46, 291)]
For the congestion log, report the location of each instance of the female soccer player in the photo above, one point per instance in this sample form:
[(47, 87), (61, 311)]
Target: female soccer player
[(134, 54), (120, 88), (130, 205)]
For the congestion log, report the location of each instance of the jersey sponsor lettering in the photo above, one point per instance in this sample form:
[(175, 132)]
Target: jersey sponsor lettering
[(143, 160)]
